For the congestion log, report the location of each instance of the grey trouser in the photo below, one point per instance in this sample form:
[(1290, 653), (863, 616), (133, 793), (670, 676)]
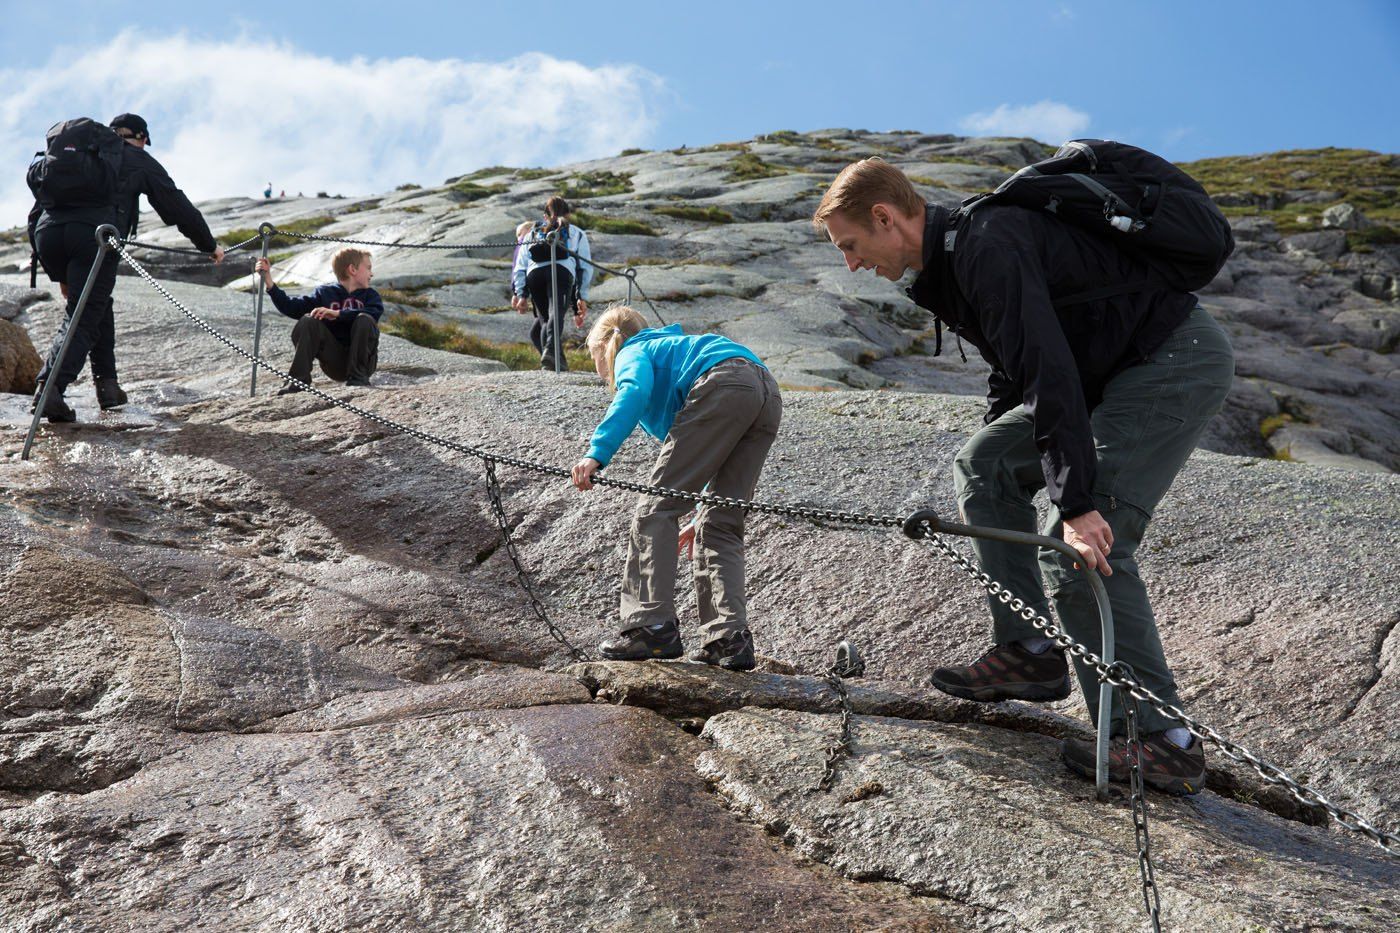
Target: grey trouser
[(721, 436), (314, 341), (1144, 429)]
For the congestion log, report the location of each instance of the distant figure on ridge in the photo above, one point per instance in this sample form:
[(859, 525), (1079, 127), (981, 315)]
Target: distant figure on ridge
[(531, 283), (70, 202), (1103, 378), (337, 325), (267, 192), (717, 408)]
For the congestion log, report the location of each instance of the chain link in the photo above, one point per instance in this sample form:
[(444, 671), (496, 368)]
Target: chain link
[(493, 490), (840, 748), (185, 251), (1150, 897), (1270, 773)]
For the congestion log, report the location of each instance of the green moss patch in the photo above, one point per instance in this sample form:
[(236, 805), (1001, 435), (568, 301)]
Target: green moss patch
[(597, 185), (305, 225), (708, 215), (747, 167), (468, 191), (417, 329), (621, 225)]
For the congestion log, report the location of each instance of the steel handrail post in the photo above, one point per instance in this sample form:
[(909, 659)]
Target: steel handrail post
[(1105, 620), (265, 231), (556, 325), (70, 326)]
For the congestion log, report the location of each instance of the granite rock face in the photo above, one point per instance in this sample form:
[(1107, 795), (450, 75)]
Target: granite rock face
[(720, 238), (265, 662)]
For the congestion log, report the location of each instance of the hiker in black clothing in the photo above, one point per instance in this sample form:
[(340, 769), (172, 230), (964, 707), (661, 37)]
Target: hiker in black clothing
[(337, 325), (530, 276), (63, 236), (1097, 400)]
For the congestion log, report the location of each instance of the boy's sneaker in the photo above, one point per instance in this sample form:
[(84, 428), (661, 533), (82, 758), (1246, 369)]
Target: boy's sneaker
[(109, 393), (1165, 767), (733, 652), (661, 641), (290, 389), (1008, 672)]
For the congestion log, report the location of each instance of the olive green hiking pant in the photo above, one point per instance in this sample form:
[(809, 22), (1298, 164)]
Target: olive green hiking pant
[(1148, 423), (721, 436)]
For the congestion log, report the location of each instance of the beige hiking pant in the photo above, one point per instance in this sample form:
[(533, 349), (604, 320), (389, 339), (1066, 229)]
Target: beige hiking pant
[(721, 436)]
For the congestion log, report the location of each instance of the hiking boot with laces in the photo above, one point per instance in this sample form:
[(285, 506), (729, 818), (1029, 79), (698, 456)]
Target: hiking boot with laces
[(1008, 672), (1165, 766), (56, 410), (661, 641), (733, 652), (109, 393)]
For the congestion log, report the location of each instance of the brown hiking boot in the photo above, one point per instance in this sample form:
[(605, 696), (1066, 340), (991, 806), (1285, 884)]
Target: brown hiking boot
[(1165, 767), (1008, 672)]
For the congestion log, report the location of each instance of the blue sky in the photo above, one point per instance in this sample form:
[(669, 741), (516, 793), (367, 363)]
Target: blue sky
[(439, 89)]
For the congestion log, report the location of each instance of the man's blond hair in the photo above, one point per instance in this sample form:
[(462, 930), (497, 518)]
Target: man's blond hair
[(346, 258), (860, 186)]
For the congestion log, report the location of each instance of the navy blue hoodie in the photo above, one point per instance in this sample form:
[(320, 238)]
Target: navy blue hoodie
[(349, 304)]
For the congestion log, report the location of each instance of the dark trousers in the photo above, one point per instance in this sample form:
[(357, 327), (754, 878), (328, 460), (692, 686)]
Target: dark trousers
[(103, 355), (1148, 423), (314, 342), (67, 252), (542, 331)]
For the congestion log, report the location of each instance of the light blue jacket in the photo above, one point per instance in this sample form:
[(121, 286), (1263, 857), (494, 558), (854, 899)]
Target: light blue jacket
[(654, 371), (575, 239)]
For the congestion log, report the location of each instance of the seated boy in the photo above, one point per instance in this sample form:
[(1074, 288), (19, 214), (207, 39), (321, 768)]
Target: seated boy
[(336, 324)]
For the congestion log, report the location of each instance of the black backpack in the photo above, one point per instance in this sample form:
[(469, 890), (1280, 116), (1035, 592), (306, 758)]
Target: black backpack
[(539, 252), (1139, 201), (78, 167)]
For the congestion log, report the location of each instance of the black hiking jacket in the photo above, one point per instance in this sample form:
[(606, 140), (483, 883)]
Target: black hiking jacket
[(997, 290), (140, 174)]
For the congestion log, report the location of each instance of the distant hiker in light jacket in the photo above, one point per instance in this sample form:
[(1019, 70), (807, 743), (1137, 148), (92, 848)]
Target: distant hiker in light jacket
[(530, 279), (718, 409), (337, 325), (63, 235), (1098, 402)]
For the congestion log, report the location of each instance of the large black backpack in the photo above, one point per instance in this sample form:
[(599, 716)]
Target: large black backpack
[(78, 167), (1130, 197), (540, 251)]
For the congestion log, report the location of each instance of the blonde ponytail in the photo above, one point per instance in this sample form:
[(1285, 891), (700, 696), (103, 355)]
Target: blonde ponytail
[(617, 324)]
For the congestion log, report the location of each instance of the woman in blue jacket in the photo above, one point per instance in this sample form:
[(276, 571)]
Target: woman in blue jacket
[(717, 407)]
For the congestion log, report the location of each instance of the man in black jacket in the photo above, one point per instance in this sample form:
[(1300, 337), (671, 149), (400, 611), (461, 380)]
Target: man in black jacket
[(1098, 402), (64, 240)]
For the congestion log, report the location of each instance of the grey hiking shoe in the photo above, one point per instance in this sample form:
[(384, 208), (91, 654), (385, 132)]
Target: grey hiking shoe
[(1008, 672), (1165, 767), (661, 641), (733, 652)]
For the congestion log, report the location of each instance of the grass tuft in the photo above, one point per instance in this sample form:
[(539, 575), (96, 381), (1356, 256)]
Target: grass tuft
[(417, 329)]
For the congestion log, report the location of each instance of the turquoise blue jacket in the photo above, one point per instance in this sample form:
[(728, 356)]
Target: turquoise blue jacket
[(654, 371)]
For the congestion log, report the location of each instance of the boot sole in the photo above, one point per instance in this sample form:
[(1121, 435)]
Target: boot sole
[(1031, 693), (1172, 787)]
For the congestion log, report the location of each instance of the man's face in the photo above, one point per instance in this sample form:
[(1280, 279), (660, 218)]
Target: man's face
[(875, 247), (361, 275), (127, 135)]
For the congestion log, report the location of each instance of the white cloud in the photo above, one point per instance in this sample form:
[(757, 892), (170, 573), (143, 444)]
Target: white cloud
[(1048, 121), (226, 117)]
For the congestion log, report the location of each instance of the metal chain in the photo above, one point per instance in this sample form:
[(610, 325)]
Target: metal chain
[(840, 748), (192, 252), (848, 663), (1270, 773), (1150, 897), (630, 274), (493, 491)]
